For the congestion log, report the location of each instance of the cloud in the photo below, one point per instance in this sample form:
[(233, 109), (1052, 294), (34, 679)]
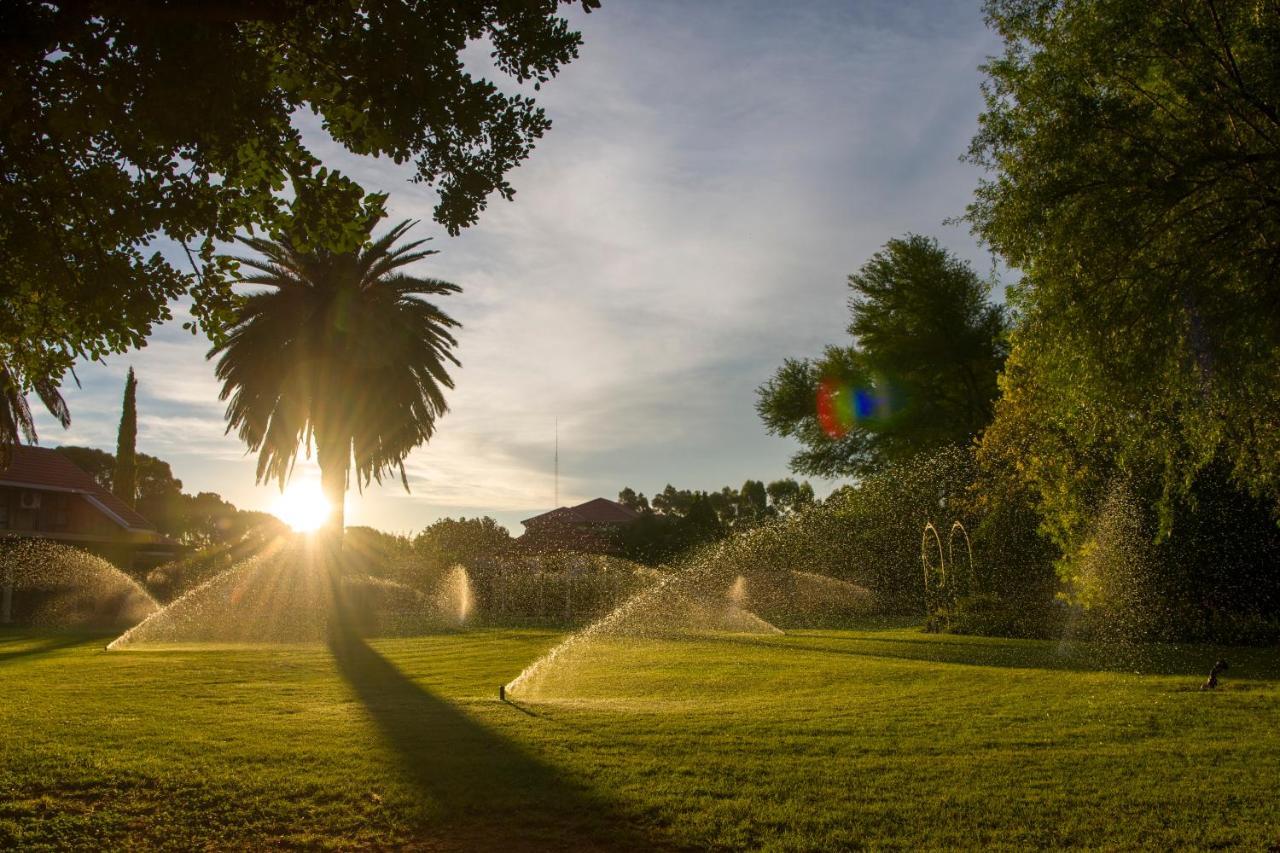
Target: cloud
[(714, 172)]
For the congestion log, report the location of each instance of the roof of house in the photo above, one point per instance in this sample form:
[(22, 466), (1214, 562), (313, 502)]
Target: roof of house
[(597, 511), (42, 468)]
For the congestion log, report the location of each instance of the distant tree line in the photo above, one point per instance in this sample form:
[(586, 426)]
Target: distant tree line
[(200, 520), (676, 521)]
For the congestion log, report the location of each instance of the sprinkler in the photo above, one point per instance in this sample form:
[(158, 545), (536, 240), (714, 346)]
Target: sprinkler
[(502, 692), (1212, 682)]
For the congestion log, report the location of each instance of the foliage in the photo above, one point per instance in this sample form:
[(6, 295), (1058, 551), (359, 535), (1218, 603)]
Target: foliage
[(1134, 152), (678, 520), (920, 375), (870, 532), (122, 123), (207, 519), (990, 615), (124, 480), (16, 422), (199, 520), (1193, 556), (339, 351), (242, 536), (1216, 571), (552, 588), (471, 542)]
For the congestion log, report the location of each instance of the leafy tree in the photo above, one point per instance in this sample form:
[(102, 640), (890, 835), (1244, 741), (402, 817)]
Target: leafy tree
[(682, 519), (200, 520), (124, 481), (124, 121), (160, 497), (672, 501), (209, 519), (787, 496), (469, 541), (1134, 156), (96, 463), (921, 374), (753, 502), (633, 501)]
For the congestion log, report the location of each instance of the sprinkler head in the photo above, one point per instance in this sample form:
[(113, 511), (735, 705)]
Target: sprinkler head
[(1218, 668), (502, 692)]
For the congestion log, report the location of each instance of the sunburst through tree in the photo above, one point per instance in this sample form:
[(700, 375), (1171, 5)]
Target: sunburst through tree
[(340, 352)]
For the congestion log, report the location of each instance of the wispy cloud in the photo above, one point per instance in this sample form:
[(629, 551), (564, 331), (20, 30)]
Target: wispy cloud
[(715, 171)]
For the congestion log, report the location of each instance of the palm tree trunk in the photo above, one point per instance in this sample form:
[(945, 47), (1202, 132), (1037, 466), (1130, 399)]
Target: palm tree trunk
[(334, 459)]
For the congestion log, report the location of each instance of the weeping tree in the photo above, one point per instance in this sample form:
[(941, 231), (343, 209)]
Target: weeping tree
[(340, 352)]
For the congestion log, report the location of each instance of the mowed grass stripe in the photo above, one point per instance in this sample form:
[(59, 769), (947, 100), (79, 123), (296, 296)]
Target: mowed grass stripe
[(876, 738)]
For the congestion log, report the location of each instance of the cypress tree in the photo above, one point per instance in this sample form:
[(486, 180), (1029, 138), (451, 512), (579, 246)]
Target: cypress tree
[(124, 482)]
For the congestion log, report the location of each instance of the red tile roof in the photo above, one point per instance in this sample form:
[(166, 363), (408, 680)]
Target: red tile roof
[(597, 511), (42, 468)]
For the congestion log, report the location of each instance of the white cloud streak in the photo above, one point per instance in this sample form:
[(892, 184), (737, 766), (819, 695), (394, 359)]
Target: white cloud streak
[(714, 172)]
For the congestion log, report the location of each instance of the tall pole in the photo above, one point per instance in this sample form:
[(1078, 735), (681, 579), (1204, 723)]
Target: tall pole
[(557, 476)]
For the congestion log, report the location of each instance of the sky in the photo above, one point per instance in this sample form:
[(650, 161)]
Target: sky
[(714, 172)]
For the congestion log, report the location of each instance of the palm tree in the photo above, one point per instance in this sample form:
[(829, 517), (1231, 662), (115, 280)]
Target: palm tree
[(341, 352), (16, 421)]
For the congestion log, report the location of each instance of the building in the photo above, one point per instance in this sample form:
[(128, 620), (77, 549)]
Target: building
[(591, 527), (44, 495)]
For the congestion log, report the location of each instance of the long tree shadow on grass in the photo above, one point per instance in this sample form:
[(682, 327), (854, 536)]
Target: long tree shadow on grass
[(489, 793)]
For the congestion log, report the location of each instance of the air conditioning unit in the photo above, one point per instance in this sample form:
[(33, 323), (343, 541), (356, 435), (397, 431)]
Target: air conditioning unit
[(29, 500)]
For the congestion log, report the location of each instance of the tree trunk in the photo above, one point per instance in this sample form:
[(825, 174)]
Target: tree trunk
[(334, 459)]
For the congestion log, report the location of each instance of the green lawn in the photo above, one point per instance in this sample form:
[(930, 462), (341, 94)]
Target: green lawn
[(819, 739)]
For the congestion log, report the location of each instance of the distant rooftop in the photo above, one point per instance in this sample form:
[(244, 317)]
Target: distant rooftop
[(42, 468), (597, 511)]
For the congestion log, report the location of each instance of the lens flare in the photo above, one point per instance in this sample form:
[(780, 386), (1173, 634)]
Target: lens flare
[(841, 405), (302, 507)]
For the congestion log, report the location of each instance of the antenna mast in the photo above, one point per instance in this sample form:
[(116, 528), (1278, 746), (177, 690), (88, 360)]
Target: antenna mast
[(557, 477)]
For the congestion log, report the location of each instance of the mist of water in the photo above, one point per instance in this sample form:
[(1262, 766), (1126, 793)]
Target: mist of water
[(455, 598), (718, 589), (284, 595), (50, 585)]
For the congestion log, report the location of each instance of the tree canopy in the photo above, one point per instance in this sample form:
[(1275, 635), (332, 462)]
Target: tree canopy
[(121, 122), (677, 520), (1133, 150), (921, 373)]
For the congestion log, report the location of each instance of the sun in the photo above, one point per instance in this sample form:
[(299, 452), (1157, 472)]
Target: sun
[(302, 507)]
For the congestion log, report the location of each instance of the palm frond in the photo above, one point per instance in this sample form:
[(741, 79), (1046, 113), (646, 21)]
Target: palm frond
[(344, 345)]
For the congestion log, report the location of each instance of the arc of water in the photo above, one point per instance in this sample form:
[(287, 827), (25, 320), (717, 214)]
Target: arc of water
[(967, 578), (656, 598), (934, 593)]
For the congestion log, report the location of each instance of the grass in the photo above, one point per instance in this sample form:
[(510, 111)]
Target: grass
[(876, 738)]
